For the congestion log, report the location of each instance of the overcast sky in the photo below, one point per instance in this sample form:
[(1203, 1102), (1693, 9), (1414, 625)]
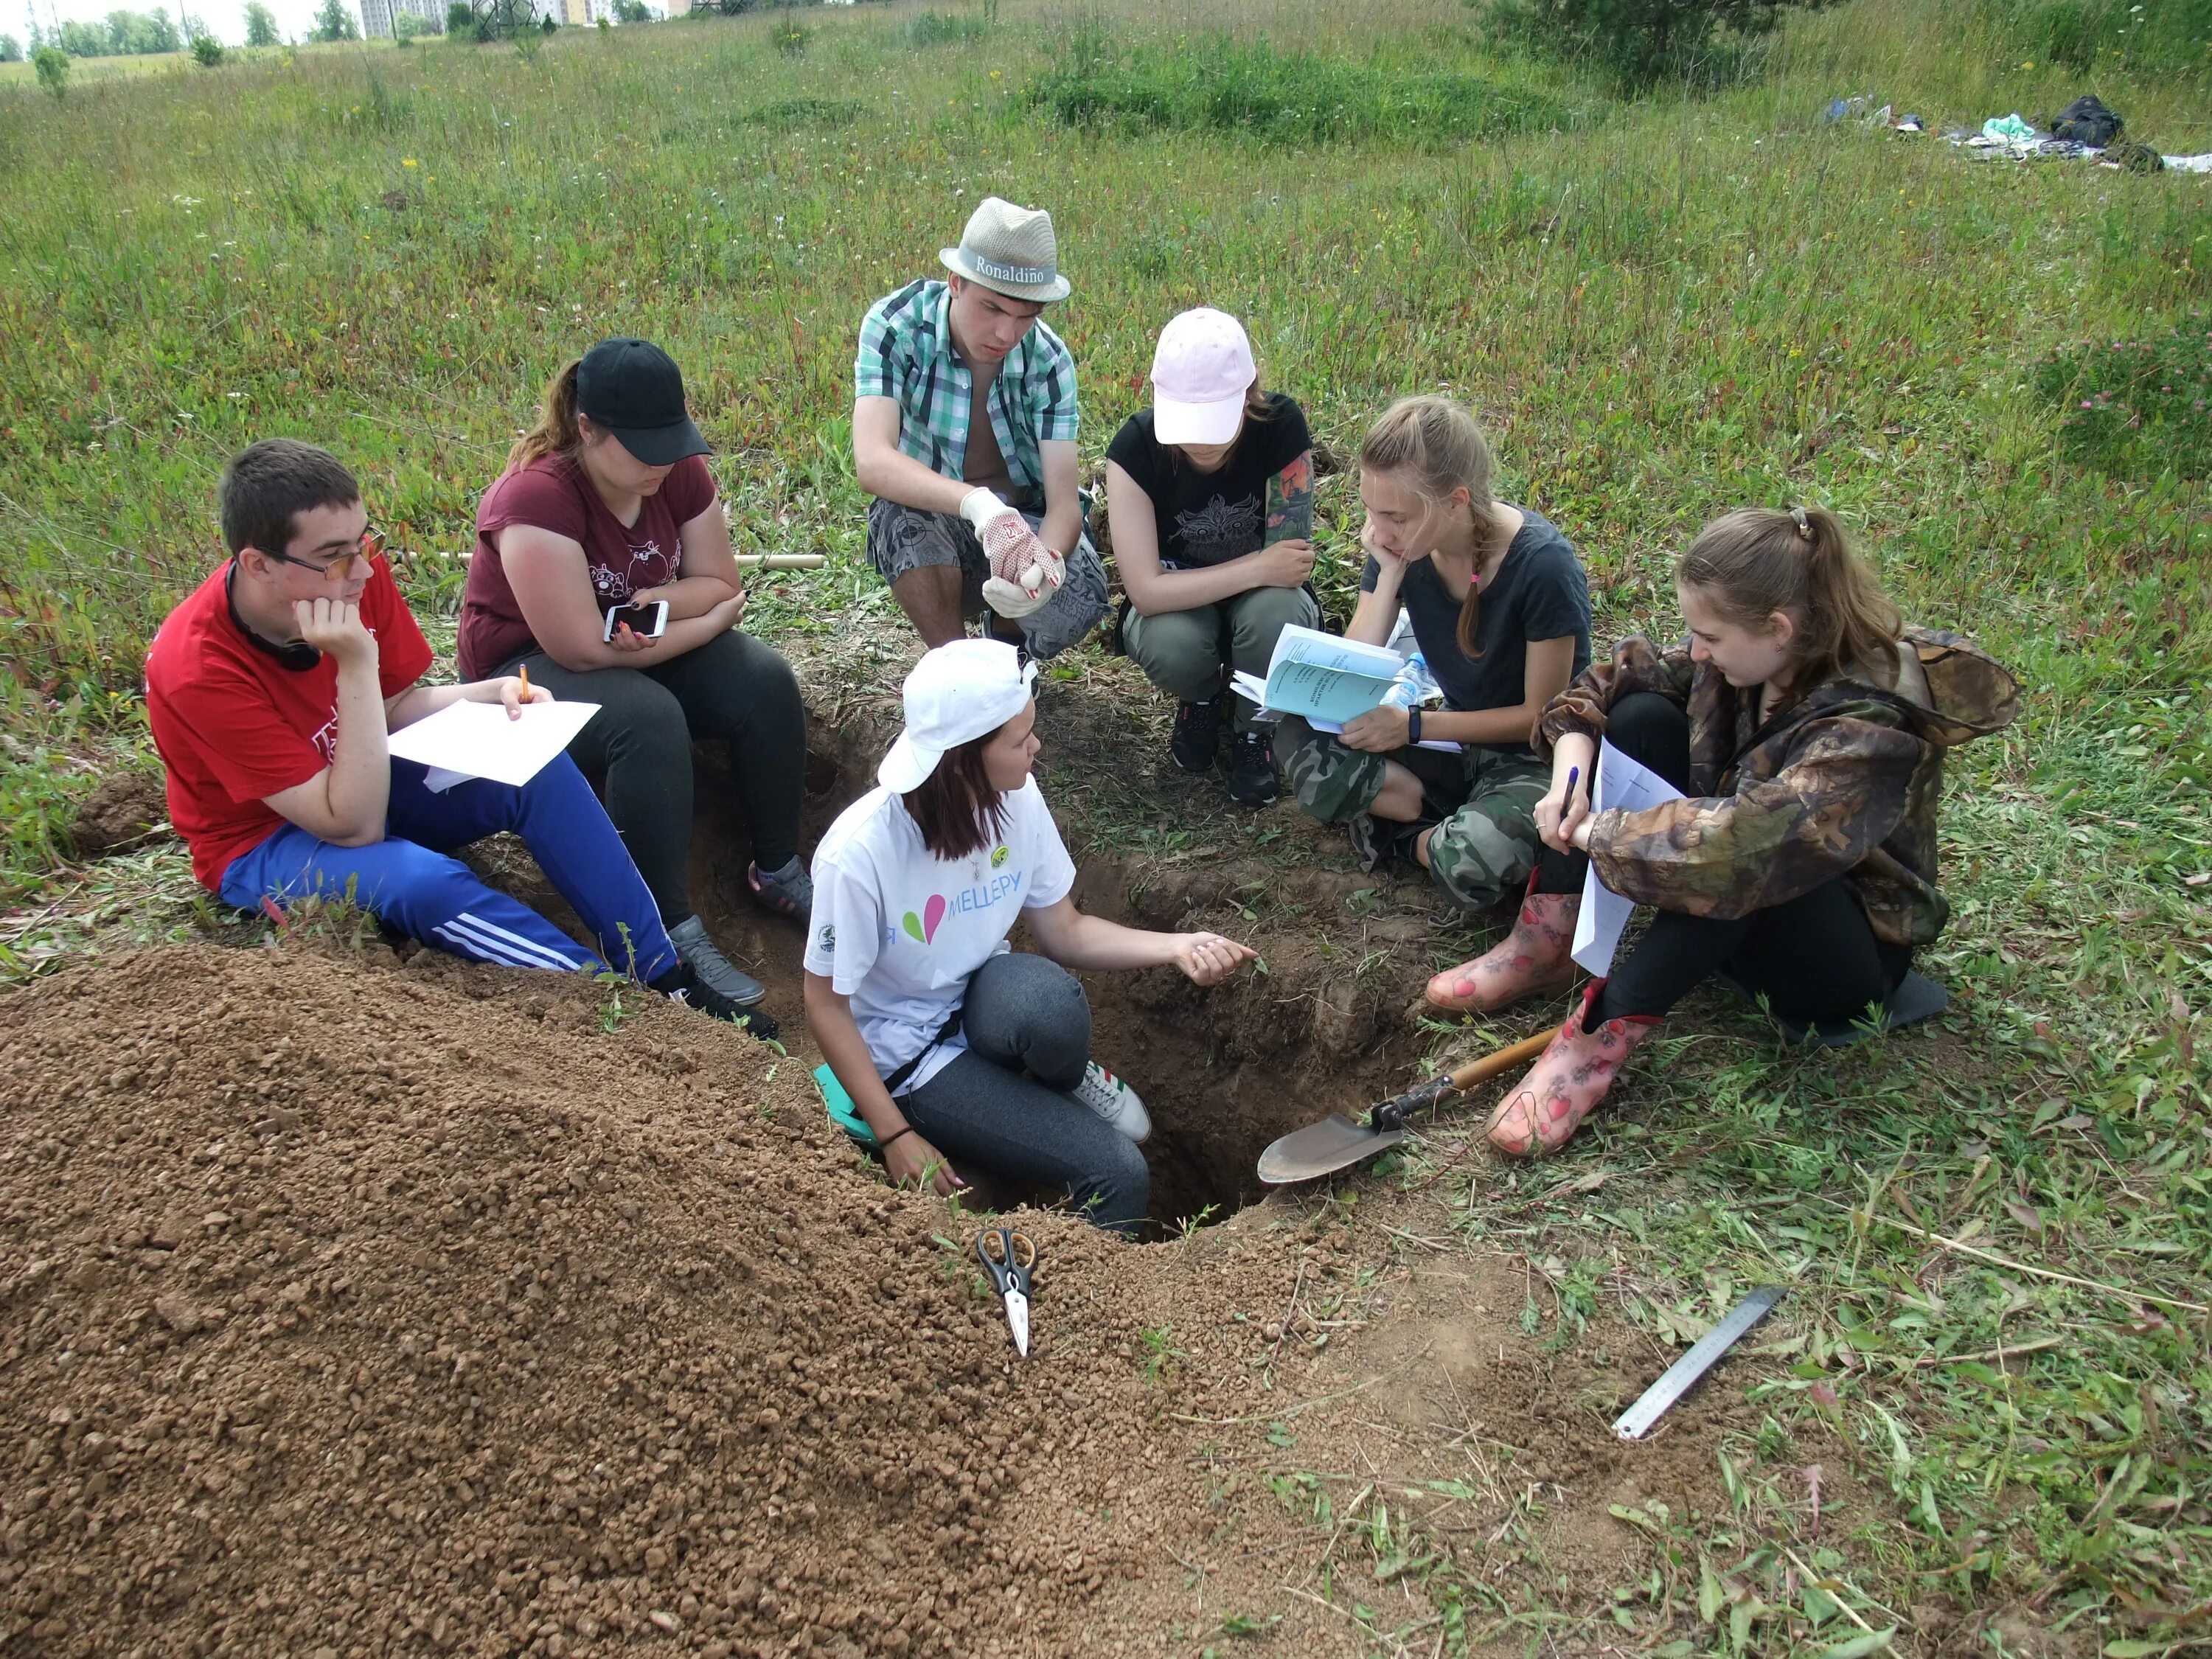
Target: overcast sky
[(226, 17)]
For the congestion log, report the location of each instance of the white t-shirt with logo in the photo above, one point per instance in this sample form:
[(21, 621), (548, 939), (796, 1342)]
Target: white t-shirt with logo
[(899, 931)]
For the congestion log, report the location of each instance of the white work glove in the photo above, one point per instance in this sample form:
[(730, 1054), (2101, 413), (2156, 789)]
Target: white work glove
[(1025, 572)]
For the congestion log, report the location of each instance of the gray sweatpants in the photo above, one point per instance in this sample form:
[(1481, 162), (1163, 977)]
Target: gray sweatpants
[(1024, 1012)]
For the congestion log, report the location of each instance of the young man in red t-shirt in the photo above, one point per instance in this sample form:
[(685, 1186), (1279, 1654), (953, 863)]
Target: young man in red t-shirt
[(271, 691)]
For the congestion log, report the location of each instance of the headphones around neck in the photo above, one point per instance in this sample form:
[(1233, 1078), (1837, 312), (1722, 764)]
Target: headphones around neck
[(297, 656)]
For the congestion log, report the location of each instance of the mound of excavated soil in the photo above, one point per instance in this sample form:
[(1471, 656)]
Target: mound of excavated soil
[(351, 1309)]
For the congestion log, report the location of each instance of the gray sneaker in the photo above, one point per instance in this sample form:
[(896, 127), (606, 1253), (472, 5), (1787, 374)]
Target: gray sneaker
[(714, 970), (788, 892)]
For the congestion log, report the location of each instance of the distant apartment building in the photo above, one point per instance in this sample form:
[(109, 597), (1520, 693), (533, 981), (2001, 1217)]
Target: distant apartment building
[(378, 17)]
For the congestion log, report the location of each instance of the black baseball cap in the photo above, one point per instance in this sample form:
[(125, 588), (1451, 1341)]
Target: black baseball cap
[(635, 390)]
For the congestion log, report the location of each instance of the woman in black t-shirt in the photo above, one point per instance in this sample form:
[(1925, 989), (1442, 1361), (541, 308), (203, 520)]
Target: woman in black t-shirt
[(1500, 609), (1210, 496)]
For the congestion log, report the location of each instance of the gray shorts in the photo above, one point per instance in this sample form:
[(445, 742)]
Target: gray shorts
[(903, 538)]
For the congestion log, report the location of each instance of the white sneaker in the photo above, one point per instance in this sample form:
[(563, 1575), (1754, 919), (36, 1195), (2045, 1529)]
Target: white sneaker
[(1113, 1100)]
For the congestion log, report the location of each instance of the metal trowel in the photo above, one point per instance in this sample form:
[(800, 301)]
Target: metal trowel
[(1337, 1142)]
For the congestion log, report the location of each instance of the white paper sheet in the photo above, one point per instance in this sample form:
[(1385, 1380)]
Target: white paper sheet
[(1633, 789), (478, 740)]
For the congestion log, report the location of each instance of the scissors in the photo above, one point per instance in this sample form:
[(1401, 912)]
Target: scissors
[(1010, 1256)]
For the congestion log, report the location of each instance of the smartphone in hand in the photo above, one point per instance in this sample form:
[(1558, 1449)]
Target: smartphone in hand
[(647, 622)]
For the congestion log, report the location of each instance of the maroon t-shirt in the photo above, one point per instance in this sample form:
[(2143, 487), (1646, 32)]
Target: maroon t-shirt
[(553, 494)]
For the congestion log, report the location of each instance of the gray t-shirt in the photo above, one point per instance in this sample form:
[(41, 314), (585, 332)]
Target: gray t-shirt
[(1540, 593)]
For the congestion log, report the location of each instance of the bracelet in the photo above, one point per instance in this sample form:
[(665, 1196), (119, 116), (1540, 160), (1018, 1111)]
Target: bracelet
[(884, 1146), (1413, 725)]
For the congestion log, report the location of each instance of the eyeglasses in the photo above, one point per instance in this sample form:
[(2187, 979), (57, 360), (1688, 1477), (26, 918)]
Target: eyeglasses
[(341, 569)]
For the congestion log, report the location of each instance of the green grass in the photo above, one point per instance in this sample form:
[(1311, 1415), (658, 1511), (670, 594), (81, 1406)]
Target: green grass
[(1248, 90), (1664, 310)]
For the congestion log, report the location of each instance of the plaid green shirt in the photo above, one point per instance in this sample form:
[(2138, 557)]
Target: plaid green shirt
[(906, 353)]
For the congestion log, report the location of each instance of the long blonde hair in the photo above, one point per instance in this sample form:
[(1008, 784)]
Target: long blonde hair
[(556, 432), (1437, 442), (1755, 560)]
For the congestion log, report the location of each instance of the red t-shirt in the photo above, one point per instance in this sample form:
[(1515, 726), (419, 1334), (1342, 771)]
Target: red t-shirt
[(233, 725), (553, 494)]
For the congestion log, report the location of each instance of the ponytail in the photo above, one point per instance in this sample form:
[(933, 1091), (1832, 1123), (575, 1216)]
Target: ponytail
[(1437, 442), (556, 432), (1754, 561)]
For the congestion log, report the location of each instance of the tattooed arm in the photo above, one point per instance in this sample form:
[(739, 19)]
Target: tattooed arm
[(1290, 502)]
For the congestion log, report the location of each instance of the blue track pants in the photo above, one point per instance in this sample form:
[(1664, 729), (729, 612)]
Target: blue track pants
[(411, 881)]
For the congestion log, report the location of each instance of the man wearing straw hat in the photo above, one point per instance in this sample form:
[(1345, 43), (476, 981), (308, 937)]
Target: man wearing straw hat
[(963, 430)]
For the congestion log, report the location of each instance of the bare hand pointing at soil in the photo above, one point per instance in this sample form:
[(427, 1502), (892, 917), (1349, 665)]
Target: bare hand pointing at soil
[(1208, 958)]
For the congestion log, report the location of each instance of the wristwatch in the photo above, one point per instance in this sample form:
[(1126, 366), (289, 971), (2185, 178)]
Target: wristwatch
[(1413, 725)]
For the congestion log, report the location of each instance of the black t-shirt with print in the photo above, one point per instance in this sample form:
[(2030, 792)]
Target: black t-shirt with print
[(1205, 518), (1540, 593)]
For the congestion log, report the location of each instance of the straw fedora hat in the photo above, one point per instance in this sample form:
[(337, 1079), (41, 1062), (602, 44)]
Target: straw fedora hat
[(1009, 249)]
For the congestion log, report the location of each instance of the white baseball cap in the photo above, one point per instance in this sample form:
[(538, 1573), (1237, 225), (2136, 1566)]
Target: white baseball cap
[(1201, 371), (955, 694)]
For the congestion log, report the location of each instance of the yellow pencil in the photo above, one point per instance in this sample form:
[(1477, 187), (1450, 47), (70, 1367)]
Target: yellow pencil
[(525, 682)]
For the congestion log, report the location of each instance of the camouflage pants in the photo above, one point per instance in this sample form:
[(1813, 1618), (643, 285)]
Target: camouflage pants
[(903, 538), (1484, 801)]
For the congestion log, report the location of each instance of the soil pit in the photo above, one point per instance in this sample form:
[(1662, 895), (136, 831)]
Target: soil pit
[(1222, 1072)]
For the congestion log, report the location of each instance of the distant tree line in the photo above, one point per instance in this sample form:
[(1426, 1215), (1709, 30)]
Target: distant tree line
[(120, 34)]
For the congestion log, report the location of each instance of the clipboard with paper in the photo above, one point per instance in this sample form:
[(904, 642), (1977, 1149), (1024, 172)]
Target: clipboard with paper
[(1623, 783)]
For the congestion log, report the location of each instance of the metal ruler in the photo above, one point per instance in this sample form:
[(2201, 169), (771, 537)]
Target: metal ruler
[(1636, 1422)]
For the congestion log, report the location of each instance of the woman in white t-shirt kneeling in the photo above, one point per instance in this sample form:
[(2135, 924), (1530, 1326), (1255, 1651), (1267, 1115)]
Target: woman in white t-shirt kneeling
[(953, 1046)]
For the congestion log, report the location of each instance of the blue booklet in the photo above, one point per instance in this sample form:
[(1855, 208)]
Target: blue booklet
[(1325, 677)]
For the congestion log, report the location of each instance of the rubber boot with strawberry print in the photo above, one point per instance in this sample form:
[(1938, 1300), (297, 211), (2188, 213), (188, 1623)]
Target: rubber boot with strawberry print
[(1567, 1081), (1531, 960)]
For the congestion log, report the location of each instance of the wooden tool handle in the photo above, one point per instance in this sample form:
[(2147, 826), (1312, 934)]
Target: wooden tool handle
[(1490, 1065)]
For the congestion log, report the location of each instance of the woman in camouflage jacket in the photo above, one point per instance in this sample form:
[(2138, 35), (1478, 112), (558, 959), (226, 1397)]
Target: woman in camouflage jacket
[(1806, 725)]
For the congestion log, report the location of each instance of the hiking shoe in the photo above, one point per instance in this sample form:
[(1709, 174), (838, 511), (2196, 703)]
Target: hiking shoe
[(713, 971), (1252, 780), (1197, 735), (788, 892), (1113, 1100), (1374, 840), (684, 987), (1378, 842)]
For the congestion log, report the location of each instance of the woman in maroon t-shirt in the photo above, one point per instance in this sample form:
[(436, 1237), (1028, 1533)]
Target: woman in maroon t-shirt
[(608, 502)]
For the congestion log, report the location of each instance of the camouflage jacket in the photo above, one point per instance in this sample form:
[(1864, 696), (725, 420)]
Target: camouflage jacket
[(1843, 780)]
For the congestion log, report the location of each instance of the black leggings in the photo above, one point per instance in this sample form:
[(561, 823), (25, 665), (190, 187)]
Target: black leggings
[(640, 744), (1814, 957)]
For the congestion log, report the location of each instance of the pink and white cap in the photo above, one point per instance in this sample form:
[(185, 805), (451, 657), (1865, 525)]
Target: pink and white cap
[(955, 694), (1201, 370)]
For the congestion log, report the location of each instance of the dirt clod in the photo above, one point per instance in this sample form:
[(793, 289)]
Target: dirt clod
[(123, 809)]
